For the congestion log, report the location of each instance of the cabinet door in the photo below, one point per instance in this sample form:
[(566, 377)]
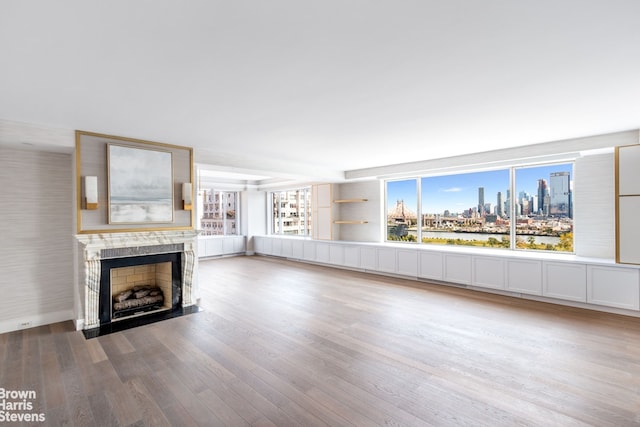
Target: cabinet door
[(227, 245), (431, 265), (297, 249), (565, 281), (276, 246), (287, 248), (323, 224), (213, 247), (628, 230), (352, 256), (309, 250), (613, 287), (368, 258), (488, 272), (336, 254), (628, 171), (457, 268), (387, 260), (407, 262), (322, 252), (524, 276)]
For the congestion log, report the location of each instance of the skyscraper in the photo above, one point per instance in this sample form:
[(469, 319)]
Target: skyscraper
[(560, 195), (500, 205), (481, 201), (543, 192)]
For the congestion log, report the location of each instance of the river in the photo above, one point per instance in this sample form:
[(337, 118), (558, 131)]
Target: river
[(484, 236)]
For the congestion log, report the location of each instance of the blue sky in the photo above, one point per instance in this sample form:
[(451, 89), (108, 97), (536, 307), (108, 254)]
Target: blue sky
[(459, 192)]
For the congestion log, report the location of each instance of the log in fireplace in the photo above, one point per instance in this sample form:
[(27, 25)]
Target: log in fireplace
[(130, 286)]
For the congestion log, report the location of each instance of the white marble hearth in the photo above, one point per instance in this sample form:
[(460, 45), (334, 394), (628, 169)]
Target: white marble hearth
[(93, 248)]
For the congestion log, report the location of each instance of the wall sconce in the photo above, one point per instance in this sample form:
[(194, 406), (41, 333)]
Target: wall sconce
[(187, 193), (91, 192)]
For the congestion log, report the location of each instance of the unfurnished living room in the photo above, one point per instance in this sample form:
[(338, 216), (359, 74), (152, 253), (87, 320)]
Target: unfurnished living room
[(296, 213)]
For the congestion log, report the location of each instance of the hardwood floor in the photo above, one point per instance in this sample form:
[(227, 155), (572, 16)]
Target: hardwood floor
[(289, 344)]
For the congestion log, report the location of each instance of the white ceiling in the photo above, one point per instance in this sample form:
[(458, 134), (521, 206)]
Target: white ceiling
[(311, 89)]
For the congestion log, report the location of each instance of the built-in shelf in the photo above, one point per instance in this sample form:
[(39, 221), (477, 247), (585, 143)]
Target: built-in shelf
[(350, 222), (350, 200)]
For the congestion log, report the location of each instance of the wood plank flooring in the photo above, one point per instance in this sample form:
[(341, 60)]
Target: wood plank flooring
[(280, 343)]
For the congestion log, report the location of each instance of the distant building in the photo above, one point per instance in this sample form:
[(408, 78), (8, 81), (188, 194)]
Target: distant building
[(560, 195), (500, 205), (543, 194)]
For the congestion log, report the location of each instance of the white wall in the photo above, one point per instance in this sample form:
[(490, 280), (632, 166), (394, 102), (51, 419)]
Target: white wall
[(370, 211), (594, 206), (253, 205), (36, 232)]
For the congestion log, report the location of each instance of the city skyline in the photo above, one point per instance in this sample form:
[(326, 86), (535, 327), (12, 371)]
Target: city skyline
[(459, 192)]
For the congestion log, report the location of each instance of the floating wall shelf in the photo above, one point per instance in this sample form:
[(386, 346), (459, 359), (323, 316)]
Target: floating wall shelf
[(350, 200)]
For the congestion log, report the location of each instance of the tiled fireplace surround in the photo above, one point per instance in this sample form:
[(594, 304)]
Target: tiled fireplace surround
[(93, 248)]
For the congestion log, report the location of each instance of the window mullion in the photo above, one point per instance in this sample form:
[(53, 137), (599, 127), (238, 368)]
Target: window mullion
[(512, 208)]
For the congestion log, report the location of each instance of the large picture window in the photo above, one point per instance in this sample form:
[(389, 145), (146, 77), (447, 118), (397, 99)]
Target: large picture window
[(219, 213), (544, 207), (402, 210), (466, 209), (526, 208), (291, 212)]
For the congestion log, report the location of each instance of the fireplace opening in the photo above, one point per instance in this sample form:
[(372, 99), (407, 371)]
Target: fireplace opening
[(139, 289), (136, 286)]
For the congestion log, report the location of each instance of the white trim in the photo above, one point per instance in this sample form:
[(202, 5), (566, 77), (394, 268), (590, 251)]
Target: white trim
[(32, 321)]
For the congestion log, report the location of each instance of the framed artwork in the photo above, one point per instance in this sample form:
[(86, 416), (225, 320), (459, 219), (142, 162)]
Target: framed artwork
[(140, 185)]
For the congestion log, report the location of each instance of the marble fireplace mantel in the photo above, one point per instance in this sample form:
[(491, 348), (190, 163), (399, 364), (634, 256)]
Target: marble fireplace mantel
[(95, 247)]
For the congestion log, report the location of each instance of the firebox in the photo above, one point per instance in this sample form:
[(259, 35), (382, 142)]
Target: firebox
[(136, 286)]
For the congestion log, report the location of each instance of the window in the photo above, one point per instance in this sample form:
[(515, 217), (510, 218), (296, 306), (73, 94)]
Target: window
[(466, 209), (218, 216), (527, 208), (402, 208), (544, 208), (291, 212)]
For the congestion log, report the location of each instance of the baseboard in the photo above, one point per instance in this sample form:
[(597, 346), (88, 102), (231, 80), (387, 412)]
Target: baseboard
[(79, 324), (31, 321)]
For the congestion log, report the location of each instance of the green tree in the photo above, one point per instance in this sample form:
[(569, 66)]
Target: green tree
[(566, 242)]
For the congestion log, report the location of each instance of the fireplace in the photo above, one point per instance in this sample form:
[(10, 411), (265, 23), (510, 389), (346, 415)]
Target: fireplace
[(139, 285), (134, 269)]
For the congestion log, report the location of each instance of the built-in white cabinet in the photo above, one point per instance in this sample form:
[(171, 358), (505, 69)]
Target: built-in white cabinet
[(613, 287), (628, 204), (430, 264), (322, 253), (386, 260), (322, 211), (457, 268), (352, 256), (558, 280), (524, 276), (297, 249), (276, 247), (309, 252), (221, 245), (368, 258), (336, 254), (488, 272), (407, 262), (286, 249), (566, 281)]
